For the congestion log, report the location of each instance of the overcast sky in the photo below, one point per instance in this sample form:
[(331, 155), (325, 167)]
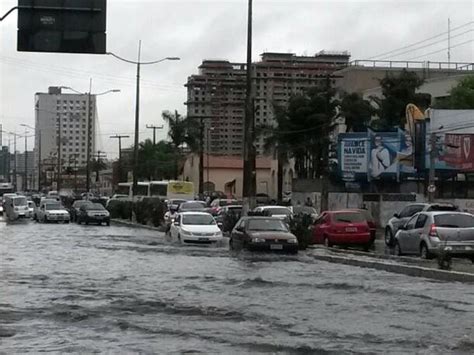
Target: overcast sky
[(204, 29)]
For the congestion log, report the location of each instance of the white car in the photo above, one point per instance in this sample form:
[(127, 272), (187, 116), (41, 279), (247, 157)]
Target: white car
[(195, 227), (52, 212), (31, 208), (280, 212)]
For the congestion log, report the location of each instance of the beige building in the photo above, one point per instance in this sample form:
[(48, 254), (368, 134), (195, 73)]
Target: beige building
[(225, 173), (216, 95)]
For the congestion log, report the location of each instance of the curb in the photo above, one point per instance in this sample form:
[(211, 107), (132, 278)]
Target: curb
[(410, 270), (124, 222)]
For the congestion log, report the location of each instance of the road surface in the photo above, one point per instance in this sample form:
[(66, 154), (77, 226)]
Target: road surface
[(71, 288)]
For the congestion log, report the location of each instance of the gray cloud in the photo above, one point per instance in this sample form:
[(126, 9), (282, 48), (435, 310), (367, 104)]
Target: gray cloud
[(195, 30)]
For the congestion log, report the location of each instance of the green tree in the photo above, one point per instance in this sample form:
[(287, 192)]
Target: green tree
[(156, 160), (303, 127), (398, 91), (97, 165), (181, 131), (462, 95), (356, 111)]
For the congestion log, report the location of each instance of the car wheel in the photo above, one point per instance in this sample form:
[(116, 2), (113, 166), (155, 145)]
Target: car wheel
[(87, 223), (472, 259), (231, 244), (108, 223), (367, 247), (389, 240), (424, 252), (398, 249)]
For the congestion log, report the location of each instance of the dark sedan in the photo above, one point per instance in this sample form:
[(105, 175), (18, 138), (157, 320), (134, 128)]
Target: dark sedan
[(93, 213), (263, 234), (74, 210)]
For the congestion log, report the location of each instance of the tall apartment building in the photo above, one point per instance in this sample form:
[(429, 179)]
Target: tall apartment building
[(216, 96), (65, 115)]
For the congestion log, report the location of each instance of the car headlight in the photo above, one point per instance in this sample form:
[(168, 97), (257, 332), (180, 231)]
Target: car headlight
[(185, 232), (258, 240), (292, 241), (218, 234)]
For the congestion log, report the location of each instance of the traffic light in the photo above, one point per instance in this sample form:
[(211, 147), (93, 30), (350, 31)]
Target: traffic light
[(65, 26)]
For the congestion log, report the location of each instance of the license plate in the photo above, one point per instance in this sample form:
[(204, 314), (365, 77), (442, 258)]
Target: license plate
[(276, 246), (351, 229), (203, 239)]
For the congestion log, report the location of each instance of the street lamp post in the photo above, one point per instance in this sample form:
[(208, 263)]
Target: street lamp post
[(208, 167), (138, 63), (89, 126)]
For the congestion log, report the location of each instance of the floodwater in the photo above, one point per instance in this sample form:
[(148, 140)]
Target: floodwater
[(70, 288)]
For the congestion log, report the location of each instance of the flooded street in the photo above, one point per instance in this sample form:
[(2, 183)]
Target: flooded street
[(70, 288)]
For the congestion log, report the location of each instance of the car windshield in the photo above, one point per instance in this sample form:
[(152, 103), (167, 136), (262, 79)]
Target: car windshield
[(442, 208), (78, 204), (269, 224), (348, 217), (198, 219), (52, 206), (19, 201), (304, 209), (277, 211), (226, 202), (454, 220)]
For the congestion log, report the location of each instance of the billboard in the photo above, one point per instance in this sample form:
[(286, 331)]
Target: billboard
[(375, 155)]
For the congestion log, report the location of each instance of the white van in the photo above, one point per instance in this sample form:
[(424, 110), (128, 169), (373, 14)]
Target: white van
[(16, 207)]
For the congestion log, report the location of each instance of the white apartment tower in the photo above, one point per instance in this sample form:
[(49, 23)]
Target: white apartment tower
[(63, 115)]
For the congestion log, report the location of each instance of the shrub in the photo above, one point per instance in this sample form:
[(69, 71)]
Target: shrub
[(150, 210), (120, 209)]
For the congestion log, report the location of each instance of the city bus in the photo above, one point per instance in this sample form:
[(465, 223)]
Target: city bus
[(163, 189)]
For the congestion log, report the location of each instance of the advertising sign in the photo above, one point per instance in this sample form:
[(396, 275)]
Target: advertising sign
[(354, 155)]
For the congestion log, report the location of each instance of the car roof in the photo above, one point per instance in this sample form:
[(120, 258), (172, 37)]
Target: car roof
[(274, 206), (436, 213), (185, 213), (261, 217)]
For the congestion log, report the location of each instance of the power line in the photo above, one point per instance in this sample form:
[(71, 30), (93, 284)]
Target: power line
[(431, 44), (442, 50), (422, 41)]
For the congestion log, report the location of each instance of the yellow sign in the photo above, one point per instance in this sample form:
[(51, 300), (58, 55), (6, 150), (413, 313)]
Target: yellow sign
[(181, 188)]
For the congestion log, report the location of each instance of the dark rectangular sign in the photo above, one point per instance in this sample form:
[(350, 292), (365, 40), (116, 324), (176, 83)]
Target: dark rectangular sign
[(65, 26)]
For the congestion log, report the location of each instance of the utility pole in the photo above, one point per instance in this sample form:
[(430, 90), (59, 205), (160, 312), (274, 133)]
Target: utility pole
[(137, 125), (58, 180), (154, 128), (432, 171), (89, 143), (449, 42), (201, 156), (249, 175), (15, 181), (120, 137), (324, 180), (98, 157), (25, 182), (39, 160)]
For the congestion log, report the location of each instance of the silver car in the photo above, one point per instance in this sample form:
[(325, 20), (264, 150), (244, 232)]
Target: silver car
[(399, 219), (429, 233)]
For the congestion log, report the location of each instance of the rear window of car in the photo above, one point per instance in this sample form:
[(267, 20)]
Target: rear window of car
[(348, 217), (442, 208), (277, 211), (454, 221)]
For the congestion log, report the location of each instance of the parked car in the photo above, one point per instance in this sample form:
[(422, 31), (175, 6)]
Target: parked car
[(263, 234), (192, 206), (429, 233), (345, 228), (93, 213), (219, 203), (281, 212), (195, 227), (400, 218), (116, 197), (52, 211), (16, 207), (74, 210), (228, 217)]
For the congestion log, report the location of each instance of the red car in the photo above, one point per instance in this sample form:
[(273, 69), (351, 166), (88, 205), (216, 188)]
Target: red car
[(348, 228)]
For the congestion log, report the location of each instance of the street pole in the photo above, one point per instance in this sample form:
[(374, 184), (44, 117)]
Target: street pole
[(14, 163), (207, 151), (58, 180), (25, 183), (89, 143), (119, 137), (201, 156), (39, 161), (154, 128), (249, 174), (432, 171), (137, 125)]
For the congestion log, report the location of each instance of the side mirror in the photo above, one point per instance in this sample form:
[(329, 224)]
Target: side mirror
[(176, 223), (396, 215), (403, 227), (239, 229)]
